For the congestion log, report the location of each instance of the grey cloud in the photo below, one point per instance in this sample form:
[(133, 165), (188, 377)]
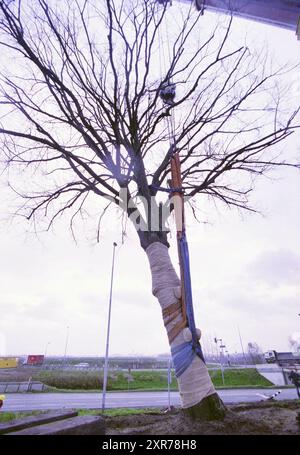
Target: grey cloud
[(248, 300), (276, 267)]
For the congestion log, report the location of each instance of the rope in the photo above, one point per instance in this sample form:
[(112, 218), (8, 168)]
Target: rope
[(183, 354), (170, 120), (163, 70)]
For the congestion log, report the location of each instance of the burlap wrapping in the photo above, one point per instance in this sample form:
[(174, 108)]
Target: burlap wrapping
[(195, 383)]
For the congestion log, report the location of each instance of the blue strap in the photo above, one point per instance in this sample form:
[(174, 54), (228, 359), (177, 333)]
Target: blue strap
[(166, 190), (184, 353), (182, 356), (188, 294)]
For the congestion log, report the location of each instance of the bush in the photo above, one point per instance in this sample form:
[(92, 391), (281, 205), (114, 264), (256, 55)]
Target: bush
[(87, 380)]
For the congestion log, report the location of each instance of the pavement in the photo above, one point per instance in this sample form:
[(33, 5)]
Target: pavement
[(273, 372), (45, 401)]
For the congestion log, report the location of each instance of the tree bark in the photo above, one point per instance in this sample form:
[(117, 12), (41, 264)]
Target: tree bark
[(198, 396)]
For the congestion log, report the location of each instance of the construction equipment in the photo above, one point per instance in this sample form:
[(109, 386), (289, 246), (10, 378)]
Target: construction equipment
[(282, 358)]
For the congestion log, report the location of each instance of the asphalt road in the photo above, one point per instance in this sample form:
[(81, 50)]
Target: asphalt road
[(40, 401)]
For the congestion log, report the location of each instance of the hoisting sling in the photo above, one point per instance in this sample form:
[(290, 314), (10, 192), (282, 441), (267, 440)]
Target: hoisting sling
[(184, 353)]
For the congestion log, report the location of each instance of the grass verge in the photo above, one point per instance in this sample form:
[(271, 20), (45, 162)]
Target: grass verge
[(143, 380), (8, 416), (114, 412)]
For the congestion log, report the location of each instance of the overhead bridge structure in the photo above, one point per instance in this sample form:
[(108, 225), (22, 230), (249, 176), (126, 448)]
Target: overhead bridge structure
[(280, 13)]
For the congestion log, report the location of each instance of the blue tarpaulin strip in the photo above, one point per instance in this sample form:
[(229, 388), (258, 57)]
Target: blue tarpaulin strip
[(182, 356), (184, 353)]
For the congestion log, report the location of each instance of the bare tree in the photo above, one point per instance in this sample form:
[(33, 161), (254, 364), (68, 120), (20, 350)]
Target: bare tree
[(255, 353), (84, 103), (294, 342)]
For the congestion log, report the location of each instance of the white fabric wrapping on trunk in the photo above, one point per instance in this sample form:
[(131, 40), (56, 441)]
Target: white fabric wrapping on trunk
[(195, 383)]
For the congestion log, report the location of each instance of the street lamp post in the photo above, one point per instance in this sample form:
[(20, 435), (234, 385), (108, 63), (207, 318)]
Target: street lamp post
[(221, 354), (242, 346), (105, 372), (222, 347), (66, 345), (46, 348)]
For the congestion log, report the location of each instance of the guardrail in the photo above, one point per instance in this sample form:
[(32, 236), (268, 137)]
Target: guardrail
[(27, 386)]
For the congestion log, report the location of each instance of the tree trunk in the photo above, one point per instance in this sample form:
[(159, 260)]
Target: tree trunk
[(198, 396)]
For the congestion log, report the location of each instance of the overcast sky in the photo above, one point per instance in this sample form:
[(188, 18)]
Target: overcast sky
[(245, 270)]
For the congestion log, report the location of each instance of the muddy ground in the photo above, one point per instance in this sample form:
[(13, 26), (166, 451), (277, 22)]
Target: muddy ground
[(265, 418)]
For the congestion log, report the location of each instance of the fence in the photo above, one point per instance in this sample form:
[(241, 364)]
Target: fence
[(27, 386)]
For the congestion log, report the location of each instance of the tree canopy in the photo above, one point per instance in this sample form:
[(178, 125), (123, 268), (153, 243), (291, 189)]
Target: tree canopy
[(80, 87)]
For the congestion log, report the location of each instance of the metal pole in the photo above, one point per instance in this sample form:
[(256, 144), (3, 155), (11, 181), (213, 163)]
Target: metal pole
[(242, 345), (169, 384), (221, 359), (66, 345), (46, 348), (105, 372), (220, 356)]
